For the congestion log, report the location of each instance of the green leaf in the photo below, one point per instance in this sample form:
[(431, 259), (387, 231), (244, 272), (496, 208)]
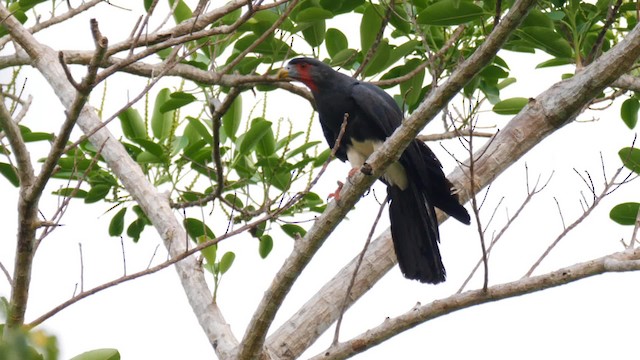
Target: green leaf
[(410, 89), (402, 51), (28, 4), (335, 41), (226, 261), (630, 158), (259, 128), (547, 40), (147, 5), (97, 193), (554, 62), (231, 119), (314, 34), (209, 252), (506, 82), (99, 354), (493, 72), (178, 144), (369, 26), (380, 59), (151, 147), (450, 12), (146, 157), (132, 124), (267, 144), (629, 112), (200, 128), (322, 158), (625, 213), (275, 48), (177, 100), (10, 173), (182, 12), (344, 58), (196, 228), (68, 192), (313, 14), (399, 20), (37, 136), (340, 6), (72, 163), (301, 149), (116, 226), (510, 106), (266, 245), (161, 121), (294, 231), (537, 18), (135, 229)]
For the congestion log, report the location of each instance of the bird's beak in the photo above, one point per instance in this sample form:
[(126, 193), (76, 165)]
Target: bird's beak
[(282, 73)]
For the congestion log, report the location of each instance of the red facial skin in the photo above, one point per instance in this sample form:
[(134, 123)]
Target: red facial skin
[(304, 75)]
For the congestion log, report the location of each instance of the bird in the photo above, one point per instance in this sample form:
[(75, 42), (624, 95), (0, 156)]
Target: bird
[(415, 183)]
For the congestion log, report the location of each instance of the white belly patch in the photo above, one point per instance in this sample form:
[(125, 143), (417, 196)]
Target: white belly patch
[(358, 152)]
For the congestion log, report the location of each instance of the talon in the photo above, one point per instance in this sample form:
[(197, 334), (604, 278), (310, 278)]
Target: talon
[(352, 172), (336, 194)]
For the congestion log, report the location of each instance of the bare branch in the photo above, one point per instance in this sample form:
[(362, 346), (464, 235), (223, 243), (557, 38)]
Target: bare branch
[(617, 262), (587, 212), (56, 19)]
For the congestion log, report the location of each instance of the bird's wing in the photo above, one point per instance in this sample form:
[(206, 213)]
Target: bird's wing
[(378, 107)]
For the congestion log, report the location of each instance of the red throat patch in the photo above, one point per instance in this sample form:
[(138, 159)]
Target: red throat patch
[(305, 76)]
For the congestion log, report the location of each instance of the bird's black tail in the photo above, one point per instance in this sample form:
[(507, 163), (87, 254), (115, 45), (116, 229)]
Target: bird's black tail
[(414, 228)]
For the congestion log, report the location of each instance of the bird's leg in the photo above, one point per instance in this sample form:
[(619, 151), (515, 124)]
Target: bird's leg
[(365, 169), (336, 194)]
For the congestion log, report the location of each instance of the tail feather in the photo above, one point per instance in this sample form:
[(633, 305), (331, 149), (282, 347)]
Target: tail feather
[(414, 228)]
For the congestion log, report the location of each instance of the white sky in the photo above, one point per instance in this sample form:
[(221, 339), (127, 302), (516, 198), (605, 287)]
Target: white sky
[(150, 317)]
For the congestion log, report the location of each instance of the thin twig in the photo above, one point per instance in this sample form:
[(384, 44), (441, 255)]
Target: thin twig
[(261, 38), (81, 267), (124, 257), (510, 220), (454, 134), (597, 45), (596, 202), (6, 274), (345, 302)]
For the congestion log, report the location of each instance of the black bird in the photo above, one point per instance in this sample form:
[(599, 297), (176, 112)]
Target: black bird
[(415, 183)]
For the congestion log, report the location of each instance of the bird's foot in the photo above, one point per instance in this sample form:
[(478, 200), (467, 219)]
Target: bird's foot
[(365, 169), (336, 194)]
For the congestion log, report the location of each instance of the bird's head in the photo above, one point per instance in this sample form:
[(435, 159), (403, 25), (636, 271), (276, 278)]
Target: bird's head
[(311, 72)]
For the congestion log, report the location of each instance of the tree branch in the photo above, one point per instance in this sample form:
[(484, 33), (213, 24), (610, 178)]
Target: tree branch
[(617, 262), (27, 220)]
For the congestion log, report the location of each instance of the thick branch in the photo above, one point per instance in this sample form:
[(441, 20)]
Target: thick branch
[(27, 221)]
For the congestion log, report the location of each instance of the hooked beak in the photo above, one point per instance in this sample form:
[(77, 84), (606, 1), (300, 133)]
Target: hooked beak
[(283, 73)]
